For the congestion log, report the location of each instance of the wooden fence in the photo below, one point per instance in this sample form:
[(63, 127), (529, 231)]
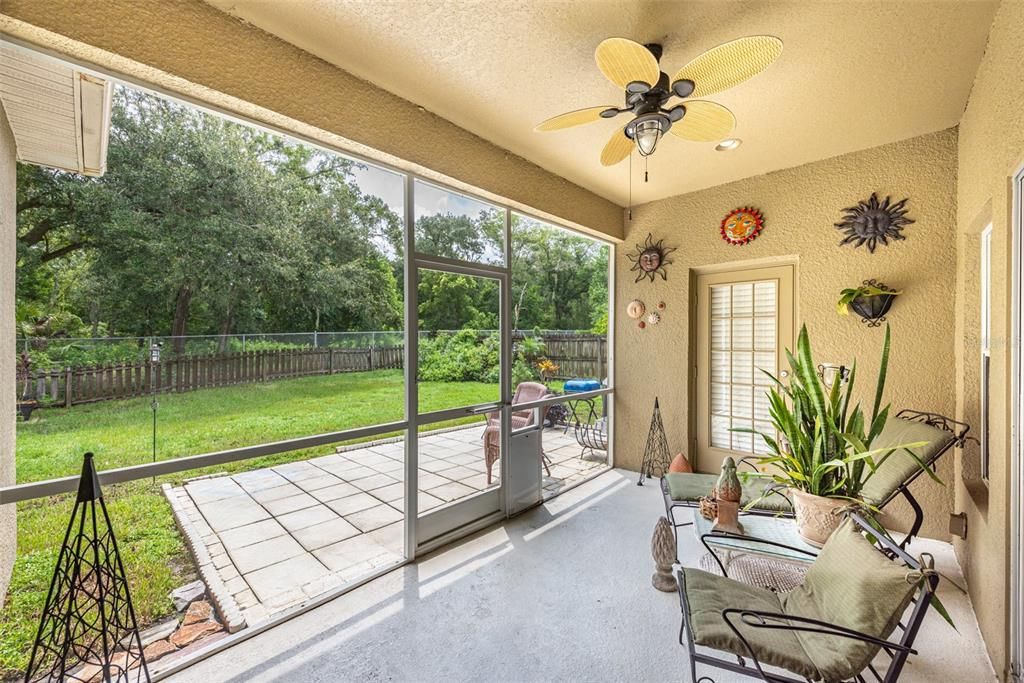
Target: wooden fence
[(73, 386), (576, 356)]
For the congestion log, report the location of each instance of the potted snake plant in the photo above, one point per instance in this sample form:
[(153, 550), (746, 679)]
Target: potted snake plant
[(821, 447)]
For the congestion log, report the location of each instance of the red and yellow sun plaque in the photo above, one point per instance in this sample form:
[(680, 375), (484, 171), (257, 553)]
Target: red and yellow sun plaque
[(742, 225)]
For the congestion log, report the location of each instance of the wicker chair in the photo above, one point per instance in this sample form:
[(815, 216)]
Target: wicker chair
[(526, 392)]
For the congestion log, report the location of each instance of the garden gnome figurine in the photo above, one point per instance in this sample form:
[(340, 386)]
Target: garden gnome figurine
[(728, 492), (663, 549)]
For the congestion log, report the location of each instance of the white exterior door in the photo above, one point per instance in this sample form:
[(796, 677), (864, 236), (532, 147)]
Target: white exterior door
[(744, 324)]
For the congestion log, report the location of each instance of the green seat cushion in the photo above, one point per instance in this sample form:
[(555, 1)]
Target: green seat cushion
[(899, 466), (690, 486), (708, 594), (850, 584)]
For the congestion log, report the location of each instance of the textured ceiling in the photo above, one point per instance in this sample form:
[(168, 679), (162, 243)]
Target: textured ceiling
[(852, 75)]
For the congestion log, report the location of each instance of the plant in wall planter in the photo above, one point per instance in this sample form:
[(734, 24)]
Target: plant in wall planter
[(820, 447), (871, 301)]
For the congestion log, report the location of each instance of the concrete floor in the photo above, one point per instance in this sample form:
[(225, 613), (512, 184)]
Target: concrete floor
[(559, 593), (280, 536)]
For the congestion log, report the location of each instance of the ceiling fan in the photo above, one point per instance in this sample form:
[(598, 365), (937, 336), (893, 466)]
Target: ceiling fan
[(634, 68)]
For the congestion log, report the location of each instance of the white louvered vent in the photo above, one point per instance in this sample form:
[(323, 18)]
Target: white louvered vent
[(59, 116)]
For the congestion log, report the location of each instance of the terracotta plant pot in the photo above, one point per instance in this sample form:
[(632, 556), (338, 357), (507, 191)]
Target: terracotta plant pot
[(816, 517)]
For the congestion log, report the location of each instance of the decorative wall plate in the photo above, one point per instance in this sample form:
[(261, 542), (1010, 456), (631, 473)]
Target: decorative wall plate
[(635, 308), (742, 225), (653, 318)]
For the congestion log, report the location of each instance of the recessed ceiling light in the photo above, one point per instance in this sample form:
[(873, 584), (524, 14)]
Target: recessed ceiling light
[(728, 144)]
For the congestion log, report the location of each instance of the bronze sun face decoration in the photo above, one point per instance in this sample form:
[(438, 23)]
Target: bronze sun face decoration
[(873, 221), (650, 259)]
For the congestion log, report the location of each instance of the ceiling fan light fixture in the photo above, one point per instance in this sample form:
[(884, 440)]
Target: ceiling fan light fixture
[(728, 145), (647, 135)]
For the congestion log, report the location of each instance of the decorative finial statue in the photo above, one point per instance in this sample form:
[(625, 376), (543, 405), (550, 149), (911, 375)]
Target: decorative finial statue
[(663, 549), (728, 492), (728, 485)]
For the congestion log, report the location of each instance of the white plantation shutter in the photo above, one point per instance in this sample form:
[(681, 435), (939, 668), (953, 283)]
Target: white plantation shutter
[(743, 339)]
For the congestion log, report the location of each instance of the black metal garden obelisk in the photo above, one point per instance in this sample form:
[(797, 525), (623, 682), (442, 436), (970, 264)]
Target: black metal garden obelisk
[(88, 629), (656, 454)]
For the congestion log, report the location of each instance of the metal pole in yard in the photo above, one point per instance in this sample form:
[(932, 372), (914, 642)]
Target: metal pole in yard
[(154, 405)]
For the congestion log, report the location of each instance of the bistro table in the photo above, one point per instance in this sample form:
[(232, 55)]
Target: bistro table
[(773, 538), (579, 386)]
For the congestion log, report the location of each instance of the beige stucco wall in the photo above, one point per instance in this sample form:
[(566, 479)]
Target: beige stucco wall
[(8, 249), (189, 48), (800, 205), (991, 146)]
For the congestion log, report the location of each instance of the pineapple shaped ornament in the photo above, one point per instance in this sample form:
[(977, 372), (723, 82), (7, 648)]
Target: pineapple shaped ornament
[(728, 492)]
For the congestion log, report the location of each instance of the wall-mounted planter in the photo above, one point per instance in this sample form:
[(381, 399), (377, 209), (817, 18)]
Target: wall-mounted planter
[(871, 302), (872, 309)]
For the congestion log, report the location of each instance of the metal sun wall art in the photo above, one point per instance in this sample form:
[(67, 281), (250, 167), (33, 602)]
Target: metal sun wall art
[(742, 225), (874, 221), (650, 259)]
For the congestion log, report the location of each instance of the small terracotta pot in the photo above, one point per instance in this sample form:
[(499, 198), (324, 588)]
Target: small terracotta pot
[(816, 517)]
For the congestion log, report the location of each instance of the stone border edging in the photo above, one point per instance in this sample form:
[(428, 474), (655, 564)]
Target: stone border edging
[(227, 609)]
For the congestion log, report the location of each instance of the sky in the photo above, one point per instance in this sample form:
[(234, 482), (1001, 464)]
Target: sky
[(430, 200)]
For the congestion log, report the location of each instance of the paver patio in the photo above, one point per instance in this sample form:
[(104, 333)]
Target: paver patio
[(279, 536)]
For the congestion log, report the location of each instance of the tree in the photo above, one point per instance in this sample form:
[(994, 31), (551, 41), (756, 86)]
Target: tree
[(201, 225), (559, 280), (205, 226)]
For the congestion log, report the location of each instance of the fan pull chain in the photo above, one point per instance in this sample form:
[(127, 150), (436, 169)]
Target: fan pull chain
[(645, 169), (630, 207)]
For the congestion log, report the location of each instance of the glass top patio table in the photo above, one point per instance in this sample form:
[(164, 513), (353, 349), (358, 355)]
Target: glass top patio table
[(760, 534)]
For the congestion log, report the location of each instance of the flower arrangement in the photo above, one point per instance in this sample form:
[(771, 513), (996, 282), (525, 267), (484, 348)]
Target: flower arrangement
[(547, 369)]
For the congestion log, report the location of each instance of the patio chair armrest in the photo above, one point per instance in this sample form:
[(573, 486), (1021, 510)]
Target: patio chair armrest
[(956, 429), (789, 622)]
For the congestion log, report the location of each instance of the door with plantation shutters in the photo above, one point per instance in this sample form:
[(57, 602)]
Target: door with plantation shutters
[(745, 321)]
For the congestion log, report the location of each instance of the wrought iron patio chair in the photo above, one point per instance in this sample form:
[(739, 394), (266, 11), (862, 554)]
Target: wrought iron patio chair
[(893, 478), (838, 625)]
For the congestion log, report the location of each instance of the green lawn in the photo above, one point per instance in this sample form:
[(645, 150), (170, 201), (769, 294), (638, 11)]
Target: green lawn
[(120, 433)]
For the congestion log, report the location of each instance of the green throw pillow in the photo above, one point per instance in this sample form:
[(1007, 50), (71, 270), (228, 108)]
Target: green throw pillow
[(850, 584)]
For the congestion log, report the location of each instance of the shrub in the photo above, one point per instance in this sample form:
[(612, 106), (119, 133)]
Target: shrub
[(51, 354), (461, 357), (468, 356)]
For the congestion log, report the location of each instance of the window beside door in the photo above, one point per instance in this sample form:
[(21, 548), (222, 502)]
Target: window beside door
[(985, 325)]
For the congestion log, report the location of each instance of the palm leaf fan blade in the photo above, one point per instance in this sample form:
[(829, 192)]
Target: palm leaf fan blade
[(704, 122), (617, 148), (623, 61), (730, 64), (570, 119)]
